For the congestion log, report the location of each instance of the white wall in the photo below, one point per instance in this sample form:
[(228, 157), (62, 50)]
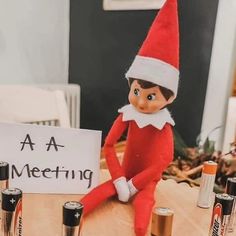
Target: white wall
[(221, 70), (34, 41)]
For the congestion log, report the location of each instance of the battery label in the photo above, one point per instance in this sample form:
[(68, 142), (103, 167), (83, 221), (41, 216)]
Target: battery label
[(18, 219), (218, 223), (216, 220)]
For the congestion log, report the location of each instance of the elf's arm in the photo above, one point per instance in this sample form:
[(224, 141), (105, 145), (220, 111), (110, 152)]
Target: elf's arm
[(113, 136), (164, 156), (117, 173)]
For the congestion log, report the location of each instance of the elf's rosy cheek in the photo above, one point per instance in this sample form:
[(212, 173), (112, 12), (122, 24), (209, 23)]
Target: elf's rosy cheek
[(132, 99)]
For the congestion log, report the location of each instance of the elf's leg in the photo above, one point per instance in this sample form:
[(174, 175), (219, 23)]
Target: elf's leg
[(97, 196), (143, 203)]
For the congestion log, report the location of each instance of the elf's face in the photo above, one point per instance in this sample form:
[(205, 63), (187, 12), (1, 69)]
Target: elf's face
[(148, 100)]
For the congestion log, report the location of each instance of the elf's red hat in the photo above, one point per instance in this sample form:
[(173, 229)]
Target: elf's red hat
[(158, 58)]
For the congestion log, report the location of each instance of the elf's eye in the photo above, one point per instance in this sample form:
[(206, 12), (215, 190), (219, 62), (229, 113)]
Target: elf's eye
[(136, 92), (151, 97)]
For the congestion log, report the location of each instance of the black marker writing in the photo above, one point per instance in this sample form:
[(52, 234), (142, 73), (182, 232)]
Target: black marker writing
[(49, 173), (53, 143), (27, 141)]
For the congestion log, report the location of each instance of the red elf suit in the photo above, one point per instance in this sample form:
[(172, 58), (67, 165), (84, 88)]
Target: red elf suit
[(149, 146)]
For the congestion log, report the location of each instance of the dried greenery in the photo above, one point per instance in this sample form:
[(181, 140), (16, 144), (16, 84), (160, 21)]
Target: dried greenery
[(188, 163)]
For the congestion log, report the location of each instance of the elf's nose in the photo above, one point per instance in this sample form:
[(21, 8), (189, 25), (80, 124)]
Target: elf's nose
[(141, 104)]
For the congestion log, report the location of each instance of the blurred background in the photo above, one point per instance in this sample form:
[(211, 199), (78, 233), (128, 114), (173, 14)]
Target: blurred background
[(104, 43)]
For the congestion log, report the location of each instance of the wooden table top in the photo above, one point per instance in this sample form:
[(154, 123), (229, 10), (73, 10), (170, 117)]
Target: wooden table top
[(42, 213)]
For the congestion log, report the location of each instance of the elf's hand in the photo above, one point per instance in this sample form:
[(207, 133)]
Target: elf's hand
[(122, 189), (132, 188)]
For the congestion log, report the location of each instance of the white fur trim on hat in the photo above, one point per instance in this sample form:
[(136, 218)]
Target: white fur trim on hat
[(155, 71)]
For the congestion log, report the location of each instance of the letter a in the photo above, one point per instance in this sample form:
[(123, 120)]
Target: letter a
[(52, 142), (27, 141)]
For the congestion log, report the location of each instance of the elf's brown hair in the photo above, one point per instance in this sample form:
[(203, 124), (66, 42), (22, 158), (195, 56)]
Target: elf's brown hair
[(167, 93)]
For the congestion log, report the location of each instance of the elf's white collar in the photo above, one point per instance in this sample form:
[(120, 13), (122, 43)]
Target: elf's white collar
[(158, 119)]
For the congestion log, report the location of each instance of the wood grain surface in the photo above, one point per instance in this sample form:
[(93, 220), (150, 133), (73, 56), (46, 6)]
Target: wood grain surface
[(42, 213)]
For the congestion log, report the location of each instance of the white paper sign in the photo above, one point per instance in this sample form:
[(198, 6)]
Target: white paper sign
[(47, 159)]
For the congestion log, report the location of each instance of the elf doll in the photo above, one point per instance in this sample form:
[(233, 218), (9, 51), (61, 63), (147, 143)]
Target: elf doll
[(153, 80)]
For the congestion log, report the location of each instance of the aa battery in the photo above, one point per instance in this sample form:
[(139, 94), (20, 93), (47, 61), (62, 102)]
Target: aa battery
[(11, 212), (207, 184), (72, 213), (231, 190), (4, 176), (221, 215), (162, 219)]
